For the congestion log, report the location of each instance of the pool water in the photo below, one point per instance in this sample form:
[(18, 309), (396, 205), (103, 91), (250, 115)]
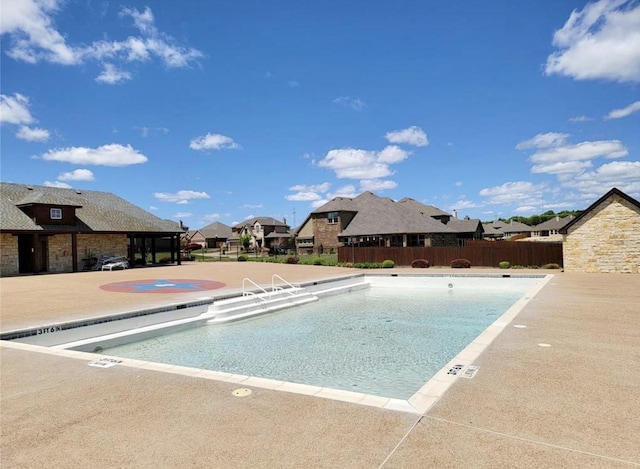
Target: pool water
[(384, 340)]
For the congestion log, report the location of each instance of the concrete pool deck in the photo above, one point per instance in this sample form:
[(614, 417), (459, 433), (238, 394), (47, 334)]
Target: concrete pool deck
[(575, 403)]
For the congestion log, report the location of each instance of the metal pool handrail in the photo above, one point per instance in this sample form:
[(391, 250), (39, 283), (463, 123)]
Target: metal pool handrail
[(274, 287), (247, 293)]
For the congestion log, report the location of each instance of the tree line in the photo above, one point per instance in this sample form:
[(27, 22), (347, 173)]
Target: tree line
[(541, 218)]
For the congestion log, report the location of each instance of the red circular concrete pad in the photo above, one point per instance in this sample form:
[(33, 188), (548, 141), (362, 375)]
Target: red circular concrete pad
[(182, 285)]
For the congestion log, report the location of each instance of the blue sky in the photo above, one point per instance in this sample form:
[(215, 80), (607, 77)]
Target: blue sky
[(207, 111)]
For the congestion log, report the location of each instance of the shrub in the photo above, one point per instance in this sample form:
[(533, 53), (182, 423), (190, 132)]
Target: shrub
[(460, 264), (292, 260), (388, 264), (164, 260), (243, 258), (551, 266), (504, 264), (420, 264), (317, 261)]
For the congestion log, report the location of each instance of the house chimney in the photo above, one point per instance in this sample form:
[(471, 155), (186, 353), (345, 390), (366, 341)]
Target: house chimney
[(455, 213)]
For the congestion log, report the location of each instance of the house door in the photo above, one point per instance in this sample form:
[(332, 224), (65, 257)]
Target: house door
[(30, 249)]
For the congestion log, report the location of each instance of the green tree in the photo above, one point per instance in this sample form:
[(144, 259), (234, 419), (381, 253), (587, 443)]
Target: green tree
[(245, 240)]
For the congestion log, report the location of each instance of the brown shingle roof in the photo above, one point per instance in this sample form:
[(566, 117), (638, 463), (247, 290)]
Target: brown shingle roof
[(95, 211)]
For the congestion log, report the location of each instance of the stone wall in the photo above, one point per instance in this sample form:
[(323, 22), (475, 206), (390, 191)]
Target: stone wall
[(59, 251), (92, 245), (607, 239), (60, 254), (8, 255)]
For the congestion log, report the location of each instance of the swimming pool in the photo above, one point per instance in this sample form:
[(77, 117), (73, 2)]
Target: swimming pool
[(387, 340)]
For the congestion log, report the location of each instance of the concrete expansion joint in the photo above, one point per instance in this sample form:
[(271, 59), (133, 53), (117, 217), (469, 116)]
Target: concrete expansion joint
[(535, 442)]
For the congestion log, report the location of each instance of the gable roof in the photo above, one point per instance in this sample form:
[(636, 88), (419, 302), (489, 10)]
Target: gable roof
[(500, 226), (338, 204), (264, 221), (613, 192), (429, 210), (216, 230), (383, 216), (95, 211), (554, 223)]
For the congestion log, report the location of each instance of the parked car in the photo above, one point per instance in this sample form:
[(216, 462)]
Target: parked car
[(192, 247)]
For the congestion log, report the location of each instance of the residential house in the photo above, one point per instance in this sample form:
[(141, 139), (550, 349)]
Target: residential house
[(500, 230), (214, 235), (465, 228), (263, 233), (369, 220), (549, 231), (605, 237), (51, 229)]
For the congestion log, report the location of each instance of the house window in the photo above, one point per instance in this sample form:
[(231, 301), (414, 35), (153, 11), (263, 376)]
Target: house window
[(55, 213), (332, 217)]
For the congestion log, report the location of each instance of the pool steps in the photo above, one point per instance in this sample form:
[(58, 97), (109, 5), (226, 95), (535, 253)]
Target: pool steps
[(139, 325)]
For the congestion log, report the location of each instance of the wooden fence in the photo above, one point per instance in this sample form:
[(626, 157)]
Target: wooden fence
[(485, 254)]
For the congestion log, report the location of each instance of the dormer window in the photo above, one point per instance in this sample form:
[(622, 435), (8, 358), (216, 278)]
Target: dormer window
[(55, 213), (332, 218)]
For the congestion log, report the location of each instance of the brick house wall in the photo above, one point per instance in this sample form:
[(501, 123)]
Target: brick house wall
[(325, 234), (607, 239)]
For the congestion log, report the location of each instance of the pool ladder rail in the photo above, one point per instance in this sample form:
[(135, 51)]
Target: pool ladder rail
[(258, 300)]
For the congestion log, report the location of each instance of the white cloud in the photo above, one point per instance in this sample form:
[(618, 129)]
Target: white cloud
[(570, 167), (182, 215), (32, 134), (251, 206), (625, 175), (213, 142), (180, 197), (624, 112), (59, 184), (549, 139), (32, 32), (363, 164), (307, 193), (580, 119), (77, 175), (513, 192), (33, 36), (392, 154), (411, 136), (601, 41), (293, 84), (303, 196), (353, 103), (580, 152), (355, 164), (464, 204), (111, 75), (379, 185), (323, 187), (210, 217), (15, 109), (107, 155), (348, 191)]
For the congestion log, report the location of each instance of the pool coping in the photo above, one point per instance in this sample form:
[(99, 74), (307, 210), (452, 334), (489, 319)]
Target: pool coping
[(419, 403)]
